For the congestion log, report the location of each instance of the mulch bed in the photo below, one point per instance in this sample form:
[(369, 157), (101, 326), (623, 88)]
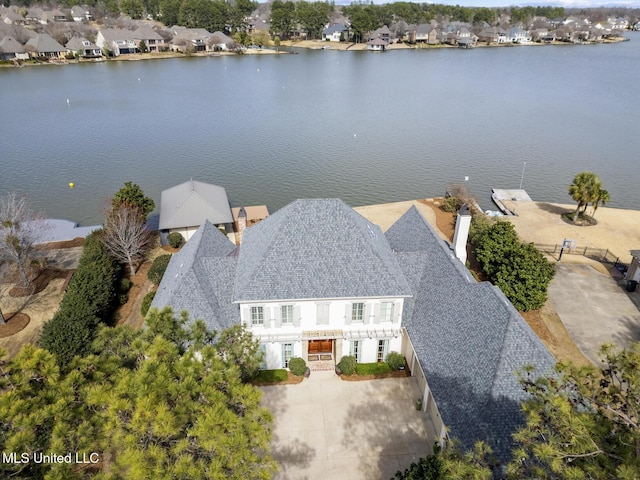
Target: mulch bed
[(445, 221), (39, 283), (583, 220), (76, 242), (15, 323)]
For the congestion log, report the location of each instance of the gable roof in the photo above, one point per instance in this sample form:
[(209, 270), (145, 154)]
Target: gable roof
[(77, 43), (318, 248), (10, 45), (468, 337), (192, 203), (115, 34), (145, 32), (200, 279), (44, 43)]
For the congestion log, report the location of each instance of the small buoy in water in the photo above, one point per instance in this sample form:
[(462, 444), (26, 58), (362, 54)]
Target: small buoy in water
[(68, 102), (138, 79), (354, 135), (71, 184), (257, 69)]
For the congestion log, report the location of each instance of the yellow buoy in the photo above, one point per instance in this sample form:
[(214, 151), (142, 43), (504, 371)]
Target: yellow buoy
[(71, 184)]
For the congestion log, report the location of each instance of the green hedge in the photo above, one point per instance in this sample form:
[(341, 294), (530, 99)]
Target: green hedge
[(175, 239), (372, 368), (395, 360), (158, 267), (347, 365), (297, 366), (92, 295), (146, 303), (271, 376)]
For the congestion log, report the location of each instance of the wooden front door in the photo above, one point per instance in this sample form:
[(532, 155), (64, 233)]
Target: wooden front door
[(320, 349)]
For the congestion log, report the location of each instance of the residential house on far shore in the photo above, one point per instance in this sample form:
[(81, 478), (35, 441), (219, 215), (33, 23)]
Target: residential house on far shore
[(317, 280), (80, 14), (84, 47), (189, 39), (185, 207), (43, 45), (335, 33), (152, 39), (377, 45), (11, 49), (118, 41)]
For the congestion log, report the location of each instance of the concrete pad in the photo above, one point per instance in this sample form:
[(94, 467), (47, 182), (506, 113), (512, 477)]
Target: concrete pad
[(594, 308), (325, 427)]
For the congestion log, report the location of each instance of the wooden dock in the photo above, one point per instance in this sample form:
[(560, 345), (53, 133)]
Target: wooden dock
[(515, 195)]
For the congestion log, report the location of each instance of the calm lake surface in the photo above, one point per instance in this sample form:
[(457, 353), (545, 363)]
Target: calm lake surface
[(366, 127)]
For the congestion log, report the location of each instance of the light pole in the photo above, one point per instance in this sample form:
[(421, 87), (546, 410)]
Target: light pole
[(522, 176)]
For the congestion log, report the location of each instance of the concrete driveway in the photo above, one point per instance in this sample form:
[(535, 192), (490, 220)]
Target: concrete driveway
[(594, 308), (329, 428)]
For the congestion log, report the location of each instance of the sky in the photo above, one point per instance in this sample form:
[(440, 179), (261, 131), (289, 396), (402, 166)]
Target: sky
[(507, 3)]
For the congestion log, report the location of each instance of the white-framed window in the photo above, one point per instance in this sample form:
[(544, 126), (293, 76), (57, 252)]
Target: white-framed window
[(257, 316), (287, 353), (383, 348), (263, 351), (357, 312), (286, 311), (322, 314), (386, 312), (354, 349)]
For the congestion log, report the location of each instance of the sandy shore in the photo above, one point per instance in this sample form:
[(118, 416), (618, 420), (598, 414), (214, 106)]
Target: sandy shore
[(617, 230)]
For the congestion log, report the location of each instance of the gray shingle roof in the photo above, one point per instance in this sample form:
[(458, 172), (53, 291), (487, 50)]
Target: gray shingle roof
[(10, 45), (469, 339), (199, 279), (318, 248), (191, 203), (43, 43)]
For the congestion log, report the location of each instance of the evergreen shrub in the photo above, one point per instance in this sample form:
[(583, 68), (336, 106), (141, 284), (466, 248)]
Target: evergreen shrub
[(297, 366)]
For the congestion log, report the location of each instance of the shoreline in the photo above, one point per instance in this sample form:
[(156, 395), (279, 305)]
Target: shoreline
[(303, 44)]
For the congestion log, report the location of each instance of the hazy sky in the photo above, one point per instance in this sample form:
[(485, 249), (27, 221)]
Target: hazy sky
[(506, 3)]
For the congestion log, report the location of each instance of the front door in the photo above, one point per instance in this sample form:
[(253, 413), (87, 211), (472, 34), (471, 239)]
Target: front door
[(320, 350)]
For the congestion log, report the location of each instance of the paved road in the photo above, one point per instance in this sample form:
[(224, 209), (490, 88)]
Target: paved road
[(594, 308)]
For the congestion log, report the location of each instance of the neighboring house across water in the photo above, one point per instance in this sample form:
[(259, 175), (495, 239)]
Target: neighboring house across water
[(189, 39), (117, 40), (11, 49), (185, 207), (220, 41), (316, 280), (152, 39), (13, 18), (83, 46), (79, 14), (335, 33), (377, 45), (43, 45)]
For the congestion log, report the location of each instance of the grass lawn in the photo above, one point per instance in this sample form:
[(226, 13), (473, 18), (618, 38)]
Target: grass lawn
[(372, 368), (271, 376)]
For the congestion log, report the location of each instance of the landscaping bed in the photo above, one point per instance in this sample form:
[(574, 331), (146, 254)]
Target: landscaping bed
[(276, 377), (15, 322), (371, 371)]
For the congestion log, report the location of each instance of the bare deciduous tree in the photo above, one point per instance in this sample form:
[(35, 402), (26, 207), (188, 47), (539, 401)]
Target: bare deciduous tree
[(20, 229), (126, 234)]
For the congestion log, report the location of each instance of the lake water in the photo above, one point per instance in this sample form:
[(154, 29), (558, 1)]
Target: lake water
[(366, 127)]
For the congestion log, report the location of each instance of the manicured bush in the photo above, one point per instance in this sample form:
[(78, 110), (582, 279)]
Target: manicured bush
[(146, 303), (395, 360), (372, 368), (175, 239), (297, 366), (158, 267), (122, 298), (348, 365)]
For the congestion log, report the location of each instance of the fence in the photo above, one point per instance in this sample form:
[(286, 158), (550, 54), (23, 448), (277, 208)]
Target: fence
[(599, 254)]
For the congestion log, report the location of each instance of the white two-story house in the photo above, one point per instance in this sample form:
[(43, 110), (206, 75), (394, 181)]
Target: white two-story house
[(318, 281)]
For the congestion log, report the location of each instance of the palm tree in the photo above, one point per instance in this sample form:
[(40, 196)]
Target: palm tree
[(583, 190), (602, 198)]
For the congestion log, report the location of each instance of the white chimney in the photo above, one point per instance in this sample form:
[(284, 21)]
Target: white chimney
[(463, 222)]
